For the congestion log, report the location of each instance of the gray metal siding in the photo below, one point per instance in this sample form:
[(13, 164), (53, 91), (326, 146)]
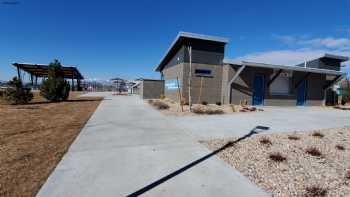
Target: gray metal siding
[(151, 89), (211, 86)]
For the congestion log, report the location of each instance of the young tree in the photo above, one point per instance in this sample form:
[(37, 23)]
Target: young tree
[(55, 88), (18, 94)]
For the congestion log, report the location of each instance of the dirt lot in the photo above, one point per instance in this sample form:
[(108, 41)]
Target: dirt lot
[(34, 137), (294, 164)]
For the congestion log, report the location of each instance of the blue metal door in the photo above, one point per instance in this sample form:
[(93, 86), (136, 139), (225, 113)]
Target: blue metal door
[(258, 90), (301, 94)]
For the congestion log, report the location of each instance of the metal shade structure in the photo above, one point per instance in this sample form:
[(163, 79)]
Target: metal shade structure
[(42, 71)]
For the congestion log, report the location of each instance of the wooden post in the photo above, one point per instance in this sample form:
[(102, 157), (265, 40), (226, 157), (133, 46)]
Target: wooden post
[(180, 96), (72, 81)]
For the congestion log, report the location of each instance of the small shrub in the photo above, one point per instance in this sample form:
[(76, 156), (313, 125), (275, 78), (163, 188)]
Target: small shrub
[(162, 96), (277, 157), (218, 103), (160, 105), (315, 191), (313, 151), (347, 174), (204, 103), (55, 88), (317, 134), (339, 147), (265, 141), (215, 111), (293, 137), (197, 109), (17, 94)]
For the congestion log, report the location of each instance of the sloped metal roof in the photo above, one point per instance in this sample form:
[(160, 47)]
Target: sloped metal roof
[(187, 35), (285, 67), (41, 70)]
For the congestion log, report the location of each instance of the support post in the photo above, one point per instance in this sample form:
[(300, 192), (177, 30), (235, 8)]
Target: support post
[(232, 80), (19, 73), (274, 77), (31, 79), (72, 81), (190, 79)]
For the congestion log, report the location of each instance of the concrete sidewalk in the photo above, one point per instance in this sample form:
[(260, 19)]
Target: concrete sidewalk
[(127, 145), (278, 119)]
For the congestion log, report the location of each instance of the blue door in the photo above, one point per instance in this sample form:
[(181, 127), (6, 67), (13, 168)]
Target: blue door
[(258, 90), (301, 93)]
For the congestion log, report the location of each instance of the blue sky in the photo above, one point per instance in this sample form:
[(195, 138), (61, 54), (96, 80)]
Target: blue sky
[(108, 39)]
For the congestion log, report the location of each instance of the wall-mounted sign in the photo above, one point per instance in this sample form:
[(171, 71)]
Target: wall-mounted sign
[(172, 84)]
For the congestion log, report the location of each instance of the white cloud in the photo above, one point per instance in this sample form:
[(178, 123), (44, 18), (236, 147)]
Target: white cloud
[(292, 57), (304, 41), (304, 48)]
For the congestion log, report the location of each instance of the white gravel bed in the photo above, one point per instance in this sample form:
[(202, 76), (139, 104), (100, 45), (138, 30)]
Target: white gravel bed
[(299, 171)]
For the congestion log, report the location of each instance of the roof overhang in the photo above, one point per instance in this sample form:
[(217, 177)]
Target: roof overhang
[(337, 57), (181, 36), (284, 67), (41, 70)]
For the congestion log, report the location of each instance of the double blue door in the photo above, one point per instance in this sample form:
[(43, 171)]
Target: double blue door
[(258, 90), (301, 93)]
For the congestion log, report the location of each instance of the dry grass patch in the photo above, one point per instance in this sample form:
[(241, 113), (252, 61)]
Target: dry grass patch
[(265, 141), (159, 104), (347, 174), (339, 147), (293, 175), (313, 151), (206, 109), (33, 139), (293, 137), (315, 191), (277, 157)]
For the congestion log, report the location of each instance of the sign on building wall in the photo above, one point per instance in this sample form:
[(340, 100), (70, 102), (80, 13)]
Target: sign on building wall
[(172, 84)]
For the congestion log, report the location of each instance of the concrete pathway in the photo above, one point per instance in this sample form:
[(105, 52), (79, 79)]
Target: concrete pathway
[(127, 145), (279, 119)]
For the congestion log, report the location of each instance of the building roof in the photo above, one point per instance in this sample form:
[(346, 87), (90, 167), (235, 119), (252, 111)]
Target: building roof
[(41, 70), (285, 67), (337, 57), (181, 36)]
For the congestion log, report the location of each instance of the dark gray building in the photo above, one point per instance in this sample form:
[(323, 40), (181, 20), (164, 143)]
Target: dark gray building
[(149, 88), (214, 79)]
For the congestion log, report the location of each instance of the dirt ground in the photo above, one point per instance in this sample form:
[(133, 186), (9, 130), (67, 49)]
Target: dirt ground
[(315, 163), (34, 137)]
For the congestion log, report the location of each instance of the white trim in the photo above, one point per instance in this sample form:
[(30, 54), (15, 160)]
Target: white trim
[(284, 67)]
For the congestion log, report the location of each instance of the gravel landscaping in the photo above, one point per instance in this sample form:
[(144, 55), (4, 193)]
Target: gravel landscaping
[(170, 107), (315, 163)]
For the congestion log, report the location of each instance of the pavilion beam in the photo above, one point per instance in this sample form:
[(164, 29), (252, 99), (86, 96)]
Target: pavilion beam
[(238, 72)]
